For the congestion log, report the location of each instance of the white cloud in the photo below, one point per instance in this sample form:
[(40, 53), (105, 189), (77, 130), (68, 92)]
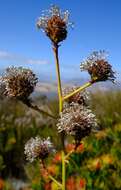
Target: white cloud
[(8, 56), (5, 55), (36, 61)]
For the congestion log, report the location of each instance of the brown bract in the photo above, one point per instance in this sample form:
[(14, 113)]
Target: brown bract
[(54, 23), (37, 148), (98, 67), (19, 82), (19, 87), (80, 97), (56, 29), (101, 70), (77, 121)]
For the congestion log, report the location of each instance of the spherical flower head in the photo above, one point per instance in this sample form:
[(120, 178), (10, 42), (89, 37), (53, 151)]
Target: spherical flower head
[(2, 88), (19, 82), (77, 121), (98, 67), (36, 148), (54, 23), (80, 97)]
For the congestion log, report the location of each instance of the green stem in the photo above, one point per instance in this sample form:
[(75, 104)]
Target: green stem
[(55, 181), (55, 49), (42, 163), (75, 165), (67, 156), (78, 90), (63, 171), (36, 108)]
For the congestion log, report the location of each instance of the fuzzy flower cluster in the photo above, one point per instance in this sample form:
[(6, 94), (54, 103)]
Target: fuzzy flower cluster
[(77, 121), (80, 97), (36, 148), (54, 23), (98, 67), (2, 88), (19, 82)]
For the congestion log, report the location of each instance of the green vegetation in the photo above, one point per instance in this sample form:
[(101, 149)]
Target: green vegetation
[(95, 166)]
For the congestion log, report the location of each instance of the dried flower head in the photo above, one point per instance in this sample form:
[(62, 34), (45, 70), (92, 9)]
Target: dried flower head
[(80, 97), (98, 67), (2, 88), (54, 23), (38, 148), (19, 82), (77, 121)]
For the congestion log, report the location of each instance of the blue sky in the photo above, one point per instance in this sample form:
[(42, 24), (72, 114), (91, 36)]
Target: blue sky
[(97, 25)]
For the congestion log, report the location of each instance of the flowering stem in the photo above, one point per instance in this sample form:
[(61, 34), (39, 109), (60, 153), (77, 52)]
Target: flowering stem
[(63, 171), (55, 181), (42, 164), (55, 49), (36, 108), (78, 90), (67, 156), (75, 165)]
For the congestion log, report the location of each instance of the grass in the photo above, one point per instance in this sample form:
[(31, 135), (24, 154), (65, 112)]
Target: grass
[(98, 164)]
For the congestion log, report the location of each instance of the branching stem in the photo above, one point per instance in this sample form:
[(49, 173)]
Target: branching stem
[(77, 90), (49, 176), (36, 108), (63, 171), (55, 181)]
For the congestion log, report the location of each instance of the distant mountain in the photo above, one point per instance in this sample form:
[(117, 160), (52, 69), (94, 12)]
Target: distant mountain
[(50, 88)]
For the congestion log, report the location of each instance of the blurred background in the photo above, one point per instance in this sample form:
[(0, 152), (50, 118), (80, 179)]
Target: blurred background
[(97, 163)]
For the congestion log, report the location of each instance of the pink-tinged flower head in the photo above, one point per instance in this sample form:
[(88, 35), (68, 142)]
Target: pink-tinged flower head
[(77, 121), (19, 82), (80, 97), (54, 23), (98, 67), (37, 148)]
